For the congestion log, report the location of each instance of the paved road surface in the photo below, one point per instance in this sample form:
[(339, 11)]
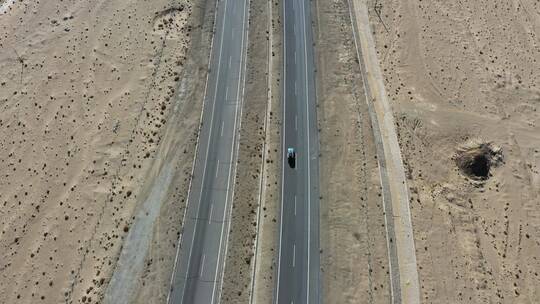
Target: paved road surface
[(298, 261), (197, 277)]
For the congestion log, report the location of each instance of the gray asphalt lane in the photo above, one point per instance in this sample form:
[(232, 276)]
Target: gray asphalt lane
[(200, 259), (298, 260)]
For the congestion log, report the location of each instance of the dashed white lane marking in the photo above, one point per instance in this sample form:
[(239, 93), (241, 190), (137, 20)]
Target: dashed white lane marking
[(294, 255), (217, 168), (211, 211), (227, 94), (201, 269), (296, 125), (295, 205), (230, 58), (222, 127)]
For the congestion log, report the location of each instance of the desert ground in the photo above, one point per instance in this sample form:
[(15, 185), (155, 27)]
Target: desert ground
[(100, 110), (463, 81), (96, 98)]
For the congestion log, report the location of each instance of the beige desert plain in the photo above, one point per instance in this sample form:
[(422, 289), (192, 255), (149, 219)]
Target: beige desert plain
[(99, 100)]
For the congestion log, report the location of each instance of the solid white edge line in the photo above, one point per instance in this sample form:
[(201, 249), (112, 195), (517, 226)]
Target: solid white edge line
[(240, 102), (282, 147), (309, 156), (181, 237)]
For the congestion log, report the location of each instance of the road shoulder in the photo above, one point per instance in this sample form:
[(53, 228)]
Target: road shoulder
[(403, 267)]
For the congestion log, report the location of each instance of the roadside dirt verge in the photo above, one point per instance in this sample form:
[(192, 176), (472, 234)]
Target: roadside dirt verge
[(265, 270), (353, 240), (165, 196)]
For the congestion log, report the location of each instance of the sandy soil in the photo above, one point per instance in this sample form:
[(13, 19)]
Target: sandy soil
[(463, 75), (86, 91), (263, 283), (354, 258)]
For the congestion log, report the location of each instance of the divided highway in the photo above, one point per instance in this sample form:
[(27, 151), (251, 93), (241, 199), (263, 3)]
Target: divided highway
[(198, 273), (298, 260)]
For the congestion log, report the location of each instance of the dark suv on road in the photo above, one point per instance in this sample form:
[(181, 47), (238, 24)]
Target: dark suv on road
[(291, 157)]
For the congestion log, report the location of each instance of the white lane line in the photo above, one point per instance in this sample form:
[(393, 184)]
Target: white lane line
[(283, 145), (294, 57), (210, 215), (294, 255), (295, 205), (222, 127), (209, 136), (295, 89), (201, 268), (230, 58), (308, 155), (217, 168), (241, 80), (227, 94), (296, 125)]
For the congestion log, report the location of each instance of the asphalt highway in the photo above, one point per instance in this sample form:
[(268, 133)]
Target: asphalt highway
[(299, 260), (198, 273)]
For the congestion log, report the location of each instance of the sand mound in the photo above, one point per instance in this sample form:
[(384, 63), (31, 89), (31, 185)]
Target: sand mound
[(476, 158)]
